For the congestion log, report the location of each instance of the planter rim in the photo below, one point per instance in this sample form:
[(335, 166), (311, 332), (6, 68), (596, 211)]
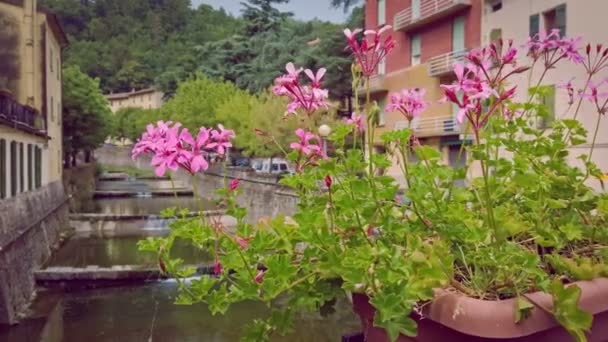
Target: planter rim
[(496, 318)]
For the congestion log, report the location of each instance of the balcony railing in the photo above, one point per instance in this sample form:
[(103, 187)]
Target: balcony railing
[(429, 11), (376, 85), (443, 64), (19, 116), (432, 126)]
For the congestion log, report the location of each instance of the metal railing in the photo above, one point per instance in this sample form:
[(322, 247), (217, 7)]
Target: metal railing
[(429, 10), (18, 115), (432, 126), (444, 63)]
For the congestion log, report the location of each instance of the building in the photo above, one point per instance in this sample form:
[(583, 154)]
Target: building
[(430, 36), (31, 44), (148, 98), (520, 19)]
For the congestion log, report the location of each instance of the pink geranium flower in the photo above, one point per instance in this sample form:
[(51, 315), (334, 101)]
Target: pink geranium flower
[(372, 49), (358, 120), (408, 102), (304, 145), (259, 277), (309, 98)]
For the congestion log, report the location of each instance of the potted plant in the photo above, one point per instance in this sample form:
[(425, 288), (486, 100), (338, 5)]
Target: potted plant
[(518, 253)]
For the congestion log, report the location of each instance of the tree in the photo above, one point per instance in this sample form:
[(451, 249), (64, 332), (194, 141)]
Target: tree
[(345, 4), (86, 114)]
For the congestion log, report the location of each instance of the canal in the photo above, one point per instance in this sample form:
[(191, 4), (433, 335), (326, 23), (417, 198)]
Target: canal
[(87, 311)]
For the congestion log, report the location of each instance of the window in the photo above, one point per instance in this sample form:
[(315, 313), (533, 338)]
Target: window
[(37, 167), (381, 105), (58, 68), (51, 59), (21, 168), (382, 67), (534, 25), (13, 168), (30, 168), (495, 6), (415, 9), (416, 50), (495, 36), (381, 12), (556, 19), (2, 168), (546, 117), (458, 34), (59, 112), (52, 111)]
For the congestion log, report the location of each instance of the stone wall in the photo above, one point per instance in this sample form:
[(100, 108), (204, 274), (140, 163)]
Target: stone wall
[(30, 228), (261, 194), (79, 183)]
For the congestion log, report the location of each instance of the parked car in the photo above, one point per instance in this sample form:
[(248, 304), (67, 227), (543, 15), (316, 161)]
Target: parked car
[(241, 162), (279, 166)]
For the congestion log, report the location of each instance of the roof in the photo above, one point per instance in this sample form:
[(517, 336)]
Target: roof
[(125, 95), (53, 21)]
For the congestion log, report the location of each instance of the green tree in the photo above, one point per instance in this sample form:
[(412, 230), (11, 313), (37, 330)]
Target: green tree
[(86, 114)]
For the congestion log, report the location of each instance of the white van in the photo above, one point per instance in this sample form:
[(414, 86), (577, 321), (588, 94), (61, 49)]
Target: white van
[(279, 166)]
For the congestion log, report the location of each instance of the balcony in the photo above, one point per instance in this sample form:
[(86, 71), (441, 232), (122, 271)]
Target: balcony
[(432, 126), (430, 10), (376, 85), (19, 116), (443, 64)]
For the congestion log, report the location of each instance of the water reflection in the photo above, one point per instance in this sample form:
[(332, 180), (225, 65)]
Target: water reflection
[(128, 313), (107, 252)]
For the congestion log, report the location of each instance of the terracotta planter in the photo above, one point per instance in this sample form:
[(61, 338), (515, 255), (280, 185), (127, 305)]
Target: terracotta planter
[(454, 317)]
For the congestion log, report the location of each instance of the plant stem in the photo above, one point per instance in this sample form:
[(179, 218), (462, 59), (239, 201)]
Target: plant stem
[(597, 126), (489, 205)]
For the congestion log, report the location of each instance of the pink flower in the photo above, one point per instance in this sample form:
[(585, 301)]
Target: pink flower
[(217, 267), (243, 242), (551, 47), (358, 120), (307, 97), (221, 139), (569, 88), (372, 49), (597, 96), (259, 277), (409, 103), (173, 147), (304, 145), (234, 184), (328, 181)]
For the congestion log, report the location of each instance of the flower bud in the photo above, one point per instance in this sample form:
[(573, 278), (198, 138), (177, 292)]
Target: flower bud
[(259, 277), (328, 181), (588, 48), (234, 184)]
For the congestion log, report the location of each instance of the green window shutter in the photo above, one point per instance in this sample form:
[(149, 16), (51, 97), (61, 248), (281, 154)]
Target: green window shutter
[(30, 168), (21, 169), (38, 168), (13, 168), (534, 24), (560, 19), (549, 102), (2, 168)]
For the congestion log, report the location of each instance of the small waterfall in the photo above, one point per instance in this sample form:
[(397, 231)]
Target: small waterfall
[(143, 194), (157, 224)]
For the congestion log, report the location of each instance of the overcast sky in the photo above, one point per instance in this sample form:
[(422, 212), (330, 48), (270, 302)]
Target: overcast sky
[(302, 9)]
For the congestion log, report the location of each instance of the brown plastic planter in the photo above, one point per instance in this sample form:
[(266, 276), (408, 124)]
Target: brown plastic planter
[(454, 317)]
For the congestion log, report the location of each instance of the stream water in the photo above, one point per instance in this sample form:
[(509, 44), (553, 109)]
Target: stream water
[(145, 312)]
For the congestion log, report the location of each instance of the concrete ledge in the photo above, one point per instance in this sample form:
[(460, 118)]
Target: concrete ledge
[(94, 274), (127, 217), (152, 193)]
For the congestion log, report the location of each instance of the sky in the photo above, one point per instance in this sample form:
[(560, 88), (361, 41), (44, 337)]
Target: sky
[(302, 9)]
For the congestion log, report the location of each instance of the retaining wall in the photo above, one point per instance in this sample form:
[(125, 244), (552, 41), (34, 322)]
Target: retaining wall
[(31, 225)]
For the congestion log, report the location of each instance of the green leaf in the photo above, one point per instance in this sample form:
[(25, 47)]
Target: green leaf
[(523, 309), (567, 312), (427, 152)]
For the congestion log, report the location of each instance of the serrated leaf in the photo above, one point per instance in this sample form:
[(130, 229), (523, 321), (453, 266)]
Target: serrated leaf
[(523, 309), (568, 313)]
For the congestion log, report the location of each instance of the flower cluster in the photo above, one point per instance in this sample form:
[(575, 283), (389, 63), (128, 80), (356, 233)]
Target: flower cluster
[(371, 51), (551, 47), (307, 97), (308, 149), (357, 120), (174, 147), (409, 102), (596, 95)]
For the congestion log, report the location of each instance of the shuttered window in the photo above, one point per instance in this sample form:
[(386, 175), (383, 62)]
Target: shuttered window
[(21, 168), (416, 49), (13, 168), (534, 24), (37, 167), (30, 167), (381, 12), (2, 168)]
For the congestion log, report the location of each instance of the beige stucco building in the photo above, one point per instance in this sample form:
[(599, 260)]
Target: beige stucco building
[(518, 19), (31, 44), (148, 98)]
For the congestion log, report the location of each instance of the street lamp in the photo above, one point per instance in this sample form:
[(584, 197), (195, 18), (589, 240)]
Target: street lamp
[(324, 132)]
